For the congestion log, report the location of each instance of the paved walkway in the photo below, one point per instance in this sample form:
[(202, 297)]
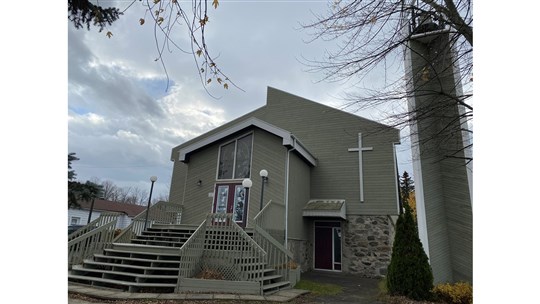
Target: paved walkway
[(106, 294), (356, 290)]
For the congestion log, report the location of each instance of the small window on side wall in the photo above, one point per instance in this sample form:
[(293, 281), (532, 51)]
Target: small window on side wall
[(75, 220), (235, 158)]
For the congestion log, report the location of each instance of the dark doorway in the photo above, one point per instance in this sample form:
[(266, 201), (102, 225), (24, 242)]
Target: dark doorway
[(327, 245)]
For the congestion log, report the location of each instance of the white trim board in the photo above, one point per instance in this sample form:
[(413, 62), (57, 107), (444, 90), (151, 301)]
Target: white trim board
[(288, 139)]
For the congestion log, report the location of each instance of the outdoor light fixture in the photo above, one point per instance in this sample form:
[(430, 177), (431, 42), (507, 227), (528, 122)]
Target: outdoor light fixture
[(199, 182), (264, 176), (153, 179), (247, 183)]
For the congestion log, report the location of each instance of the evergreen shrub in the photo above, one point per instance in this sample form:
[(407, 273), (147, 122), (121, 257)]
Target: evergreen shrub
[(409, 272)]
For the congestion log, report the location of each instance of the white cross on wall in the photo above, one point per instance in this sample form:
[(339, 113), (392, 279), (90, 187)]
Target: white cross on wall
[(360, 149)]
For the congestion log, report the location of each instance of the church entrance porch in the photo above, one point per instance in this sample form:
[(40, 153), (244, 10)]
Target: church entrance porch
[(327, 249)]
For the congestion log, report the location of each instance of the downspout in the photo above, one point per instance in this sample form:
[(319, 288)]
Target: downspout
[(287, 190)]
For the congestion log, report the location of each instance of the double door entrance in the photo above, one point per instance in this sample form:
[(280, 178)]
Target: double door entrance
[(232, 198), (327, 245)]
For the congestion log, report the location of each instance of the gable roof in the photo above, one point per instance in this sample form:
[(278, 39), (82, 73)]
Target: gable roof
[(130, 210), (288, 139)]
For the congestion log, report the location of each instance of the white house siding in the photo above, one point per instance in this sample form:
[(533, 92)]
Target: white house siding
[(82, 214), (122, 222)]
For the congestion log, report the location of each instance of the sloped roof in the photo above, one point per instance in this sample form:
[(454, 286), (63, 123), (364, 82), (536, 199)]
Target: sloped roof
[(287, 137), (325, 208), (130, 210)]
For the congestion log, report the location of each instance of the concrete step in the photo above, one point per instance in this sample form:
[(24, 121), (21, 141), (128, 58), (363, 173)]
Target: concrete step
[(269, 277), (275, 287)]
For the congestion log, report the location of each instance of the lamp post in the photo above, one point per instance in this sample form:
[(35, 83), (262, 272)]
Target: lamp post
[(264, 176), (246, 183), (153, 179)]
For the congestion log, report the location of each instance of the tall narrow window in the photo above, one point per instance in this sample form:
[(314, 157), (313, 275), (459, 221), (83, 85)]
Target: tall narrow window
[(235, 159)]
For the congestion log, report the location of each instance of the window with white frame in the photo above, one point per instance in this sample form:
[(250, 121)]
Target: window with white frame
[(235, 158), (75, 220)]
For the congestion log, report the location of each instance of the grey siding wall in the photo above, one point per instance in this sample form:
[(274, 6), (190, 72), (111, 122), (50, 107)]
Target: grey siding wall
[(196, 200), (178, 179), (329, 133), (299, 195), (447, 199), (268, 153)]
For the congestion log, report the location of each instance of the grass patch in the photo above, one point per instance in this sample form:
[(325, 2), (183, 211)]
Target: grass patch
[(319, 288)]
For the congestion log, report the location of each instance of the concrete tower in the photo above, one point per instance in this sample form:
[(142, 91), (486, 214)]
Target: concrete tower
[(442, 161)]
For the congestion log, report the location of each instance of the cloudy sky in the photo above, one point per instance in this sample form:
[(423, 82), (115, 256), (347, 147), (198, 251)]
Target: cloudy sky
[(123, 121)]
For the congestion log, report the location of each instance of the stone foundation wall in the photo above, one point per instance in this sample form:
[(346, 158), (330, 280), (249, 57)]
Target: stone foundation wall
[(367, 245), (302, 253)]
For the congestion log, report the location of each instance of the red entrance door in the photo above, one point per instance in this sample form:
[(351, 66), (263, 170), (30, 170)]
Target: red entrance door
[(327, 245), (231, 198)]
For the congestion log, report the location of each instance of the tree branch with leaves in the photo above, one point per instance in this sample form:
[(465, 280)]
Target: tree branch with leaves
[(166, 16)]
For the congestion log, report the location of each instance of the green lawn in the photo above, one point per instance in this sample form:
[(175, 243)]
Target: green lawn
[(319, 288)]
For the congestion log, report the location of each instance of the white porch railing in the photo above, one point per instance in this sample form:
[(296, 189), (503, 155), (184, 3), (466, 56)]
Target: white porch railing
[(162, 212), (104, 218), (221, 246), (94, 241), (270, 235)]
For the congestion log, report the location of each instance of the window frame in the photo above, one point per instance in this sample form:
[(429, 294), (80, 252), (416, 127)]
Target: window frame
[(76, 218), (235, 140)]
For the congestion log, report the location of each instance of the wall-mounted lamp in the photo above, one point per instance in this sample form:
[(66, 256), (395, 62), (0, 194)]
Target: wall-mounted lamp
[(264, 176), (199, 183)]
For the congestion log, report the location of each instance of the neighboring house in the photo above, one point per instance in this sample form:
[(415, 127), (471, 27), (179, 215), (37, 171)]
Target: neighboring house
[(333, 172), (79, 216)]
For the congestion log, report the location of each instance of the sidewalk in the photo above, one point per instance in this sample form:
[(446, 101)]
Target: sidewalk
[(280, 296)]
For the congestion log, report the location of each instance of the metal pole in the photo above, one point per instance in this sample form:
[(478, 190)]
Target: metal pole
[(262, 192), (148, 207), (91, 209)]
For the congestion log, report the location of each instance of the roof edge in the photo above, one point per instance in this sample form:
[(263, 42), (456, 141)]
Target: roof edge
[(288, 139)]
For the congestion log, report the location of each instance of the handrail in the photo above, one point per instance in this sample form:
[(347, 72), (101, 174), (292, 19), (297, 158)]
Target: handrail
[(161, 212), (104, 218), (278, 256), (84, 246), (270, 235)]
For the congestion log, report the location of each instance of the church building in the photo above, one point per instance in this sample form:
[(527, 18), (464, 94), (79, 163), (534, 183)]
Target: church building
[(322, 181)]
